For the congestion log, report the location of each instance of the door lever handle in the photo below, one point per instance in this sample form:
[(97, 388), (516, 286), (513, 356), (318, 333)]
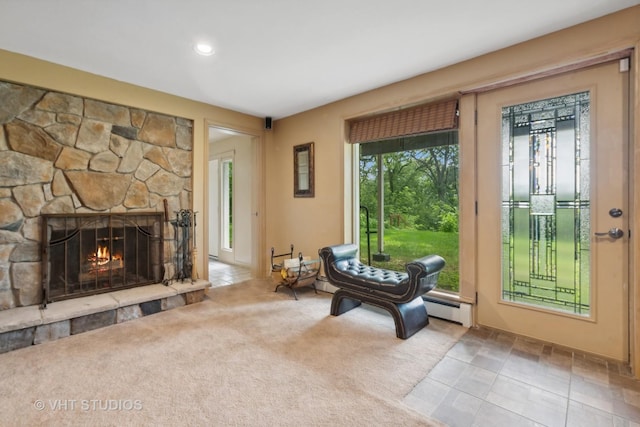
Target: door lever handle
[(614, 233)]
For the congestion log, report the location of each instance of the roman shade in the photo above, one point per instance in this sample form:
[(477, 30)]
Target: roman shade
[(417, 120)]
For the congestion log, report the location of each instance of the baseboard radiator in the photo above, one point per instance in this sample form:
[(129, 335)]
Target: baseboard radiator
[(457, 312)]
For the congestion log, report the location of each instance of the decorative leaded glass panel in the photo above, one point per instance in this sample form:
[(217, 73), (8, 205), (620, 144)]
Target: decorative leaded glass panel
[(545, 203)]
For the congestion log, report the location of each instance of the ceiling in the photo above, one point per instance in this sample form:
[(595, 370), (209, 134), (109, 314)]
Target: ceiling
[(277, 57)]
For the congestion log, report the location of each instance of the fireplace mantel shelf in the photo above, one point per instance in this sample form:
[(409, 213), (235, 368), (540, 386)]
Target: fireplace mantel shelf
[(26, 317)]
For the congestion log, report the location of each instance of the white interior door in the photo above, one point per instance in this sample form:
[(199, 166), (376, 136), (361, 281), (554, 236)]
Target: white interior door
[(553, 210)]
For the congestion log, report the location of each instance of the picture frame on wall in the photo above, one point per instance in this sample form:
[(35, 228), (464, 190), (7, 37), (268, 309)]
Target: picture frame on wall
[(303, 170)]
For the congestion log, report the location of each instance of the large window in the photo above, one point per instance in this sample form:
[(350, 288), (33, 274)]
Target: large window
[(409, 202), (408, 187)]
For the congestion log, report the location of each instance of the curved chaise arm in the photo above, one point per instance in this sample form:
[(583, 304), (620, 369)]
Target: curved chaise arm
[(424, 272), (339, 252)]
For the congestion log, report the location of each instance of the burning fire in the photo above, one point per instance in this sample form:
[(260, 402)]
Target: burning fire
[(102, 257)]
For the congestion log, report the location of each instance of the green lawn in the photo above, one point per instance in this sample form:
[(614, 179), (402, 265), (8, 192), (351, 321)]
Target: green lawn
[(406, 245)]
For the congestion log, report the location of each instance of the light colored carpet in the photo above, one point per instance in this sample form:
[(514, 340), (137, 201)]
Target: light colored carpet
[(245, 356)]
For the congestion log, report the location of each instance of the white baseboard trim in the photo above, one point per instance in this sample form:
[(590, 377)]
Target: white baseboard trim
[(458, 312), (323, 285)]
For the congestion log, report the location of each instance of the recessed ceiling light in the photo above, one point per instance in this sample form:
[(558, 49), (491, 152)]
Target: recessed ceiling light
[(204, 49)]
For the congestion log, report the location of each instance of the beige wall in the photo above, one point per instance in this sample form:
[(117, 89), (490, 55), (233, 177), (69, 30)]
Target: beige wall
[(313, 223)]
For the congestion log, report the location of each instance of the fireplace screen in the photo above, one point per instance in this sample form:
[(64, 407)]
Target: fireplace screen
[(85, 254)]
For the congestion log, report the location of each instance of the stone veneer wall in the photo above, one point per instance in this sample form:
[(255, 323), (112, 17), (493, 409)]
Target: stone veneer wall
[(62, 153)]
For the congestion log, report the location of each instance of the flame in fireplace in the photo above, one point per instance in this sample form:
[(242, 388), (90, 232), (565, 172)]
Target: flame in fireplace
[(102, 257)]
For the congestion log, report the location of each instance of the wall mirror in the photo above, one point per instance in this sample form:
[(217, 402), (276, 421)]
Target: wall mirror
[(303, 176)]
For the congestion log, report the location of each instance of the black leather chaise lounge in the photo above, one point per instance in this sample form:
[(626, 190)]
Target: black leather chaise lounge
[(397, 292)]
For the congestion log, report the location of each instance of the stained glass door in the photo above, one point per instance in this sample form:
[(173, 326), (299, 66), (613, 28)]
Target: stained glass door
[(546, 203), (552, 210)]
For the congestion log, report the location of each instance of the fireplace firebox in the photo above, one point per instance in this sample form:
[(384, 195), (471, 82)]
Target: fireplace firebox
[(86, 254)]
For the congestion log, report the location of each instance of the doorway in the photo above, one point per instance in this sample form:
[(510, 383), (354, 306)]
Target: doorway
[(230, 197), (553, 225)]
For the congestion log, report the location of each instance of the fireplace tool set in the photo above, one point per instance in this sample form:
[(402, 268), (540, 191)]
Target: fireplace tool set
[(184, 226)]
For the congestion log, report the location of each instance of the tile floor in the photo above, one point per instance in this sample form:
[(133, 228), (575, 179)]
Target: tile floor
[(221, 274), (494, 379), (490, 378)]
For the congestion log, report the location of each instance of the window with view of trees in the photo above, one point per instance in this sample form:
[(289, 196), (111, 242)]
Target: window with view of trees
[(420, 202)]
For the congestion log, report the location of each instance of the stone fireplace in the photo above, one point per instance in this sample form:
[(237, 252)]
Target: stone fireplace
[(85, 187), (65, 154)]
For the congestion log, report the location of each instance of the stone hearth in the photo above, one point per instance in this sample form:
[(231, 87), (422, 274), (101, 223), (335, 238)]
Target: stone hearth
[(25, 326)]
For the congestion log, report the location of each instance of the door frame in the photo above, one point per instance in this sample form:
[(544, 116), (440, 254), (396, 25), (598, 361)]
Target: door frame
[(213, 236), (257, 197), (468, 138), (634, 209)]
